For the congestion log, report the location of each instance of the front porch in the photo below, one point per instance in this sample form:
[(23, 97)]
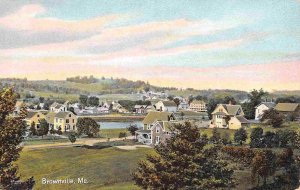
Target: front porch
[(144, 136)]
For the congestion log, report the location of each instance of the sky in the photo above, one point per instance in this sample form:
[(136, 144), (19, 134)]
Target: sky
[(216, 44)]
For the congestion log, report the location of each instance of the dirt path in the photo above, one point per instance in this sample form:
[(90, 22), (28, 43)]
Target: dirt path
[(79, 142), (133, 147)]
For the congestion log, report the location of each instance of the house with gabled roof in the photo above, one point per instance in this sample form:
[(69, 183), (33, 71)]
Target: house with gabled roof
[(56, 107), (161, 131), (34, 117), (261, 108), (50, 119), (169, 106), (140, 109), (237, 122), (145, 135), (223, 114), (288, 108), (66, 121)]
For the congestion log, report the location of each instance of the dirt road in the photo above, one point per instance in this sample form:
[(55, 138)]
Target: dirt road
[(79, 142)]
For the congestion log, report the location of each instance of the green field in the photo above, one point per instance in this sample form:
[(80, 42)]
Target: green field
[(107, 168), (112, 133)]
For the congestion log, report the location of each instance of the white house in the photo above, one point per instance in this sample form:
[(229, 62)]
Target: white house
[(168, 106), (56, 107), (259, 109)]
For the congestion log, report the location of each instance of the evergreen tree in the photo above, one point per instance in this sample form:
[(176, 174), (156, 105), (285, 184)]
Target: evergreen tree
[(32, 129), (183, 162), (240, 136), (256, 138), (43, 129)]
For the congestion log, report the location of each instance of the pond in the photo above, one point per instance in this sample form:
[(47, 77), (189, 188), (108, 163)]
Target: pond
[(119, 125)]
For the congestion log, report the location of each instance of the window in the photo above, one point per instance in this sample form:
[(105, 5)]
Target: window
[(67, 120), (157, 140), (70, 115), (73, 120), (56, 120), (38, 115), (157, 129)]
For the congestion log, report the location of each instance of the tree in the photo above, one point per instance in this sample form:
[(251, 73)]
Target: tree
[(177, 101), (72, 137), (43, 129), (229, 100), (290, 177), (270, 139), (170, 97), (32, 129), (216, 136), (122, 135), (41, 99), (182, 162), (147, 88), (132, 129), (287, 137), (12, 130), (211, 105), (59, 131), (226, 138), (272, 117), (256, 138), (93, 101), (88, 126), (263, 165), (240, 136), (83, 99), (255, 98)]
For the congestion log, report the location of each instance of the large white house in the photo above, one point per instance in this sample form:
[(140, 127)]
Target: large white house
[(261, 108), (198, 105), (168, 106)]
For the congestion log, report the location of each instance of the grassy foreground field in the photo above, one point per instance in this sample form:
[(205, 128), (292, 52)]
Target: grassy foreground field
[(107, 168)]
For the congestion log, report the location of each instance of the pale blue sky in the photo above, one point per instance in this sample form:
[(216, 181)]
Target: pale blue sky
[(122, 38)]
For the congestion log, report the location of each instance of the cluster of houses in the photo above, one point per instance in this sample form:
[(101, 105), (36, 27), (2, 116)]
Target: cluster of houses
[(58, 117), (157, 123), (160, 115)]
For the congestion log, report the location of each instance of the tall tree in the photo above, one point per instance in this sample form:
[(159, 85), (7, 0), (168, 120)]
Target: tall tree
[(255, 98), (43, 129), (256, 138), (93, 101), (12, 130), (182, 162), (83, 99), (272, 117), (132, 129), (263, 165), (177, 101)]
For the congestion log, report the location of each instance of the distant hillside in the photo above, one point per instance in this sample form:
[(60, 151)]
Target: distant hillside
[(110, 88), (72, 87)]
